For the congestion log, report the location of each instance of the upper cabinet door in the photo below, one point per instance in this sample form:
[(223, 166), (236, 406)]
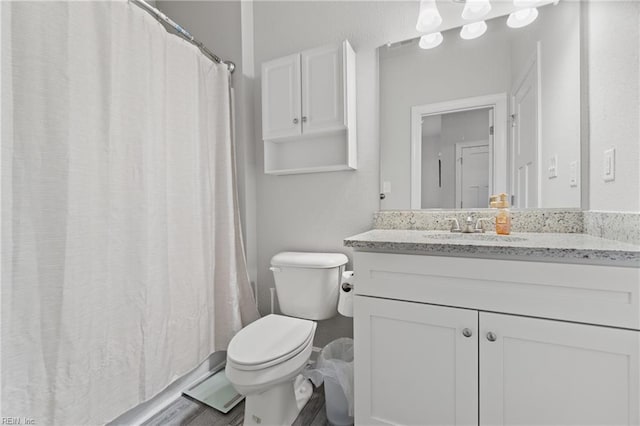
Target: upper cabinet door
[(323, 94), (281, 98), (542, 372), (415, 364)]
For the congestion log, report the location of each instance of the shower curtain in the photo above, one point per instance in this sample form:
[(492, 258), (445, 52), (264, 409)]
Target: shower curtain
[(122, 259)]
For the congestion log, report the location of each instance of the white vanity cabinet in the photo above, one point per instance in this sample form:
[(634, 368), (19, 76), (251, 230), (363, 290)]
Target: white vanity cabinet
[(308, 111), (547, 372), (413, 365), (441, 340)]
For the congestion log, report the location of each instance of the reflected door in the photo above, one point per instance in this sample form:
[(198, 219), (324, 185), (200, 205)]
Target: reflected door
[(472, 174), (525, 140)]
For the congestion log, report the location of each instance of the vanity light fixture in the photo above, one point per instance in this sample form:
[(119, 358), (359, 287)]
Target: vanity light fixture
[(475, 30), (522, 18), (476, 9), (526, 4), (430, 41), (429, 17)]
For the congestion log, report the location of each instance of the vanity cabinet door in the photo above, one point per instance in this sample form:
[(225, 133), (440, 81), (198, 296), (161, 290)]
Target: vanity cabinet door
[(543, 372), (323, 95), (415, 364), (281, 98)]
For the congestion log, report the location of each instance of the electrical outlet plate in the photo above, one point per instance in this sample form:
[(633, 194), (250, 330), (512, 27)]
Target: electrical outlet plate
[(386, 187), (609, 165), (573, 174), (553, 167)]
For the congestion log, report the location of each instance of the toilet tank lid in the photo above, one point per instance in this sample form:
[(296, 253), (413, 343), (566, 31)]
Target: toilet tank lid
[(309, 260)]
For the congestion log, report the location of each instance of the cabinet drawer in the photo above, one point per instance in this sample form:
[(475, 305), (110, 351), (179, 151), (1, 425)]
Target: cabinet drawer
[(582, 293)]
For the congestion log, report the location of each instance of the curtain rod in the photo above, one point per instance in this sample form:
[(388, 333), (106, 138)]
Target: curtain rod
[(184, 33)]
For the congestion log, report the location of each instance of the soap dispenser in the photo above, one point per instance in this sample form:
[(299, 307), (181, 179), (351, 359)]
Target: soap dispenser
[(503, 217)]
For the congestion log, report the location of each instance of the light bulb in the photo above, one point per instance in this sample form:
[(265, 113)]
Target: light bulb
[(430, 41), (475, 30), (429, 18), (525, 4), (522, 18), (476, 9)]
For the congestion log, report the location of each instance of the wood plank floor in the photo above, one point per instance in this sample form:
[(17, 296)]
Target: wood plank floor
[(186, 411)]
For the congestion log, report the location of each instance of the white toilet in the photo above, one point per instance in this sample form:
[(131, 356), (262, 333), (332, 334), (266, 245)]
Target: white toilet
[(264, 359)]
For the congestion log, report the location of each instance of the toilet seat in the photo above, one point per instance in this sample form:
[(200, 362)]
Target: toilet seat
[(269, 341)]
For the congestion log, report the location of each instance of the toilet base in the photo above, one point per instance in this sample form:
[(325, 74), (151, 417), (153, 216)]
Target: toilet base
[(278, 405)]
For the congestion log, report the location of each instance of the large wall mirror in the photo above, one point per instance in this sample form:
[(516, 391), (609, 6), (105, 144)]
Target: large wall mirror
[(471, 118)]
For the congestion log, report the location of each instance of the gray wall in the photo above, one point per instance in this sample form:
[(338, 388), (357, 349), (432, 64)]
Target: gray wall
[(454, 127), (314, 212), (431, 194), (614, 102)]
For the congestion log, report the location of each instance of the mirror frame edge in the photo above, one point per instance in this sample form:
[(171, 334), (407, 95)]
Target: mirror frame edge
[(585, 142)]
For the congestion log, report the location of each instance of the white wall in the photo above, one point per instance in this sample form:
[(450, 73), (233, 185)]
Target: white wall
[(614, 102)]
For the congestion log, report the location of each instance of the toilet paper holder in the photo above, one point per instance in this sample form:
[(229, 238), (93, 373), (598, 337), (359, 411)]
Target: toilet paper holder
[(345, 299)]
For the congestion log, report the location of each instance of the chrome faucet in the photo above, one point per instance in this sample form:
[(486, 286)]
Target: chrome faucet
[(479, 227), (469, 227), (455, 225)]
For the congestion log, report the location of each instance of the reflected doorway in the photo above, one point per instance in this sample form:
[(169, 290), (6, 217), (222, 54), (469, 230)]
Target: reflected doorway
[(472, 174), (456, 161), (459, 152)]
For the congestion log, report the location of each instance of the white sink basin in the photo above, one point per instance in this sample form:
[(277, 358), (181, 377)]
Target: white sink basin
[(476, 237)]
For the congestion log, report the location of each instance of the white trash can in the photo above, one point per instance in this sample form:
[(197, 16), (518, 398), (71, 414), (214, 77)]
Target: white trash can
[(334, 367)]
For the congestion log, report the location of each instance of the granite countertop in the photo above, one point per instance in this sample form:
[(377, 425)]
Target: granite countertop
[(547, 247)]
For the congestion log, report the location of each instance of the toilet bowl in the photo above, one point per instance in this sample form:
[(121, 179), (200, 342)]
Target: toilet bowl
[(265, 359)]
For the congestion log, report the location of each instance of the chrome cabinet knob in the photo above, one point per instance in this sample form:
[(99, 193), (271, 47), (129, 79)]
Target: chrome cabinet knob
[(467, 332), (491, 336), (304, 119), (295, 121)]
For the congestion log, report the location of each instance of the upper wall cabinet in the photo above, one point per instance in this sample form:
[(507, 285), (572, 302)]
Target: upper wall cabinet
[(281, 98), (309, 111)]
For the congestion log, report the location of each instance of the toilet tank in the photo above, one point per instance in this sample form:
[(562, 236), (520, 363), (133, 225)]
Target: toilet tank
[(308, 284)]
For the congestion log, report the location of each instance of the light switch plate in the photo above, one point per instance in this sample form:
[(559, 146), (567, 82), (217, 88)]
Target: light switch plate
[(573, 174), (553, 167), (609, 165)]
